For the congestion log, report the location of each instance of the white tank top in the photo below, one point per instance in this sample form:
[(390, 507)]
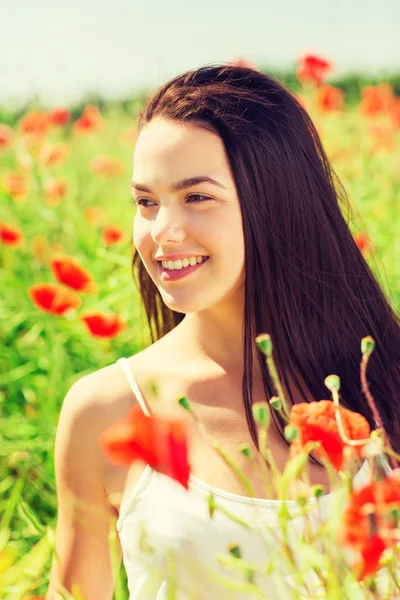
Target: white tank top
[(165, 529)]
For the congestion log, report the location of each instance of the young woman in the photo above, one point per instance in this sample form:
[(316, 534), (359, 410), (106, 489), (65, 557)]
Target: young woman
[(238, 231)]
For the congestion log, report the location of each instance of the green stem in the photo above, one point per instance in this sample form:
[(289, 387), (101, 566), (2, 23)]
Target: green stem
[(234, 467), (232, 516), (274, 374), (372, 405)]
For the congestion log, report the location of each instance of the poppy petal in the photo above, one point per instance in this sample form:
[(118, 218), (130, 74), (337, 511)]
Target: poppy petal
[(70, 272), (52, 298)]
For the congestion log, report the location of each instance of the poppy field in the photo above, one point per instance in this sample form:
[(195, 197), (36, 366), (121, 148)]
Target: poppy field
[(68, 304)]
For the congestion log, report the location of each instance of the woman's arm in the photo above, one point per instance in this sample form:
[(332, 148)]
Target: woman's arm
[(84, 513)]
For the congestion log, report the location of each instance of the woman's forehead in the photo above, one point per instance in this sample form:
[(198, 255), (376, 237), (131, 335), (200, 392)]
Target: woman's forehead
[(168, 152)]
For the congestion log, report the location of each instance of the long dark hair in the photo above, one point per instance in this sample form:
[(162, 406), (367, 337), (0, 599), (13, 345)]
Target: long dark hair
[(306, 283)]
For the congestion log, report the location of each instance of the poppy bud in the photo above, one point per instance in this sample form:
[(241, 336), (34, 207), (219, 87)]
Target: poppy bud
[(234, 550), (211, 505), (275, 403), (332, 382), (318, 490), (291, 433), (367, 345), (264, 343), (184, 402), (244, 449), (261, 413)]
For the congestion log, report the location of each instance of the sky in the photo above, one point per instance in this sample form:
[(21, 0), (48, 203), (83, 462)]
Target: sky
[(61, 51)]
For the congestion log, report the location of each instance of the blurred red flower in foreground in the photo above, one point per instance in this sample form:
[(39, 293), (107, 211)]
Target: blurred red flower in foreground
[(112, 235), (329, 98), (159, 441), (316, 422), (89, 121), (59, 116), (69, 271), (313, 69), (34, 123), (107, 166), (362, 240), (103, 325), (6, 136), (376, 99), (10, 236), (369, 519), (52, 298), (15, 185)]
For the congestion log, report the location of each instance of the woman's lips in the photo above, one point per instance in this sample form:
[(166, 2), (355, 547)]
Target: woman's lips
[(173, 275)]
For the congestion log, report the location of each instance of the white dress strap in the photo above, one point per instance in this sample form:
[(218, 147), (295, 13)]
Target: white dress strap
[(124, 364)]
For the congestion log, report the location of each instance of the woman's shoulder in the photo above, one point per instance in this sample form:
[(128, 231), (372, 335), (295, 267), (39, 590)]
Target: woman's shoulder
[(107, 390)]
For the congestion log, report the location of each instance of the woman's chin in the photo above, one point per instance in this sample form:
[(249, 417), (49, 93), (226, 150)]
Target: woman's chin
[(179, 305)]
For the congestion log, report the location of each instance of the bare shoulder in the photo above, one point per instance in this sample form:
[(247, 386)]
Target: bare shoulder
[(105, 395)]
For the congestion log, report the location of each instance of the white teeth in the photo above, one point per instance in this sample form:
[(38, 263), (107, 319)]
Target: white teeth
[(185, 262)]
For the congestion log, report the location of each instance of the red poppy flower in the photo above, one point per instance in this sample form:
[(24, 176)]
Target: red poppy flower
[(34, 123), (6, 136), (362, 240), (376, 99), (16, 185), (59, 116), (395, 112), (89, 121), (312, 69), (103, 325), (316, 422), (54, 190), (69, 271), (159, 441), (370, 555), (51, 155), (52, 298), (10, 236), (368, 520), (329, 98), (107, 166), (111, 235)]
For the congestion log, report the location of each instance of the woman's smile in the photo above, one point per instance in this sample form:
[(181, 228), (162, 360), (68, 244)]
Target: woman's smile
[(168, 274)]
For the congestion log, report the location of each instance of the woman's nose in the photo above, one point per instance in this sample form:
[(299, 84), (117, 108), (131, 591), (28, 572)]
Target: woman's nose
[(168, 226)]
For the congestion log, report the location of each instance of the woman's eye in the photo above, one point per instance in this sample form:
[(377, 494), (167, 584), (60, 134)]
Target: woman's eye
[(202, 198), (141, 201), (194, 198)]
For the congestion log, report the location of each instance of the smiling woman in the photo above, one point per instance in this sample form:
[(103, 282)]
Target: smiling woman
[(238, 231)]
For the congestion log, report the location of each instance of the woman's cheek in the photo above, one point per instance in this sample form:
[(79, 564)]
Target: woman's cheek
[(140, 235)]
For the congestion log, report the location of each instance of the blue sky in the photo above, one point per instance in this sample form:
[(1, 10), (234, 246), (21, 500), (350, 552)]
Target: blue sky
[(61, 50)]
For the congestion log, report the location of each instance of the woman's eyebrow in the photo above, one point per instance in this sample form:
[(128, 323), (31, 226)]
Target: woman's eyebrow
[(178, 186)]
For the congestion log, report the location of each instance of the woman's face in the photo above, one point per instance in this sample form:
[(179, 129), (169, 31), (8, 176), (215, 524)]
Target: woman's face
[(202, 220)]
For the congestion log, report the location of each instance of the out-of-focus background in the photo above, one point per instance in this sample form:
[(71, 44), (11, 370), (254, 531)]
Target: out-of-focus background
[(62, 51), (73, 77)]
